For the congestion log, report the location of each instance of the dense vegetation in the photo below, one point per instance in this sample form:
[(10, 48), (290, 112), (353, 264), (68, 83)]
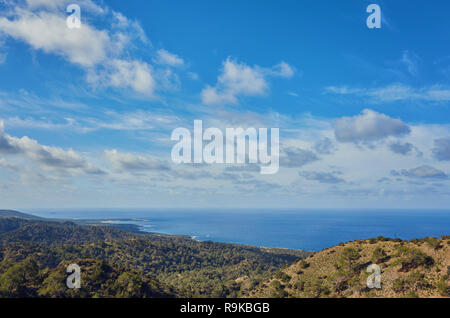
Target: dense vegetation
[(416, 268), (34, 255)]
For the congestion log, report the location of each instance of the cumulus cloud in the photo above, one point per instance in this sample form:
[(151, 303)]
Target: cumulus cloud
[(47, 32), (166, 58), (441, 150), (369, 126), (322, 177), (296, 157), (102, 54), (282, 69), (421, 172), (125, 74), (239, 79), (49, 157)]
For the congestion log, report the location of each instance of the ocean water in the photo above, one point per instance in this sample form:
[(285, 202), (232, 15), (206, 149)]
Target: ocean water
[(310, 230)]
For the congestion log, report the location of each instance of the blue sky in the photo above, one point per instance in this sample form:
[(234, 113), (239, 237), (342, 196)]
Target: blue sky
[(86, 114)]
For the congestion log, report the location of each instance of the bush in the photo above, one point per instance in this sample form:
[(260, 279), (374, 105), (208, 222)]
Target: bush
[(350, 254), (379, 255), (283, 276), (277, 289), (299, 285), (443, 287), (303, 264), (415, 258), (433, 242), (399, 285)]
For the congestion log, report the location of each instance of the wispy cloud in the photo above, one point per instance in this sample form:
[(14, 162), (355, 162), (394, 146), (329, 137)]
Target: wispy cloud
[(395, 92), (411, 61), (421, 172), (166, 58), (322, 177)]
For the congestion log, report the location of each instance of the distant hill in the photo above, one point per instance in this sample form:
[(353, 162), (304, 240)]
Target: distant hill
[(51, 233), (17, 214), (34, 253), (416, 268)]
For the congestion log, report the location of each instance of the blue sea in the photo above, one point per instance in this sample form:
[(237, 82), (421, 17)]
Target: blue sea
[(310, 230)]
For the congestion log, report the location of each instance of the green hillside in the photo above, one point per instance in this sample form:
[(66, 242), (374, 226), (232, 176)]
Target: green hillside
[(416, 268), (171, 265)]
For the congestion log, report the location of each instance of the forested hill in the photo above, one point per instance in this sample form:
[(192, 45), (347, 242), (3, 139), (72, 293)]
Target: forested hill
[(416, 268), (34, 254), (17, 214)]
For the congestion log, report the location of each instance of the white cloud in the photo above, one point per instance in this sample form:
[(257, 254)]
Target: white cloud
[(8, 165), (166, 58), (283, 70), (133, 162), (411, 60), (295, 157), (421, 172), (193, 76), (342, 90), (62, 4), (103, 54), (369, 126), (322, 177), (48, 157), (240, 79), (126, 74), (48, 32), (396, 92)]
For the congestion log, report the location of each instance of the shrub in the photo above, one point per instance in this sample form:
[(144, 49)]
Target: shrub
[(318, 289), (443, 287), (433, 242), (415, 258), (299, 285), (399, 285), (379, 255), (350, 254), (277, 289), (303, 264), (283, 276)]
